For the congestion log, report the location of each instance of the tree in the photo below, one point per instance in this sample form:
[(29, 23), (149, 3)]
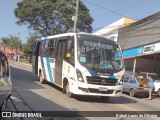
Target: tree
[(15, 43), (28, 46), (5, 41), (40, 16)]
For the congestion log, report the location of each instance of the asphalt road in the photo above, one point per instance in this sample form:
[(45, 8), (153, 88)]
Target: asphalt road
[(29, 95)]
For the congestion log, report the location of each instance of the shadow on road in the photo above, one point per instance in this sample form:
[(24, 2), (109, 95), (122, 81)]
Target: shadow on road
[(33, 85), (29, 96), (111, 100)]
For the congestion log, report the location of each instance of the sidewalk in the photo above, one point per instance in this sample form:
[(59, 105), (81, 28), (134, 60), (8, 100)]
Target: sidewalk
[(28, 64), (155, 99)]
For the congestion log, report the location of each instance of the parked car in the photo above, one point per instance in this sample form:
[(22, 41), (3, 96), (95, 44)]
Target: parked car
[(135, 86), (5, 80), (142, 75), (157, 87)]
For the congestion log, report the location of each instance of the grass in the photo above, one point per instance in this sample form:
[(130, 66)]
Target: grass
[(24, 61)]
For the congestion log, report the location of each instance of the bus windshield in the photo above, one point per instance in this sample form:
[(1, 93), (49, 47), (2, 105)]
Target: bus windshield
[(99, 54)]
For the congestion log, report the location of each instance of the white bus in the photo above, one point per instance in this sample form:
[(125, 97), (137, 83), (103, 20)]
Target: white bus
[(80, 63)]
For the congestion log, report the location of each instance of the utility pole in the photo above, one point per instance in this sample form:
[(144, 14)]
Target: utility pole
[(76, 17), (18, 47)]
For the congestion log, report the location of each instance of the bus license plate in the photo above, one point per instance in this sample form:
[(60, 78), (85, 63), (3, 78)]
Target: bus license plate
[(103, 89)]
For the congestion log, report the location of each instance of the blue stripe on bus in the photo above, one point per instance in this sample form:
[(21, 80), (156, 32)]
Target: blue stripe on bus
[(49, 69), (43, 69), (112, 76), (93, 74)]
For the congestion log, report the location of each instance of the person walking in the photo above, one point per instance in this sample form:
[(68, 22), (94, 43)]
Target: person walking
[(150, 85)]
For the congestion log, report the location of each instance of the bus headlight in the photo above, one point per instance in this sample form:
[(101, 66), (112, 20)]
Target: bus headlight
[(79, 76), (121, 81)]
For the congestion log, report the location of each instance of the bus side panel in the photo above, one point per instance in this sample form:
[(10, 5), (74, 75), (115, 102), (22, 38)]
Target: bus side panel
[(68, 71), (33, 64), (47, 67)]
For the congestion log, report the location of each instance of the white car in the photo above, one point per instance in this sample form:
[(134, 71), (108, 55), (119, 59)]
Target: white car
[(157, 87)]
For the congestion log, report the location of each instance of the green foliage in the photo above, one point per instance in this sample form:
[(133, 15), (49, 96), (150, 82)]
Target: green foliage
[(28, 46), (40, 16), (12, 42), (15, 42), (5, 41)]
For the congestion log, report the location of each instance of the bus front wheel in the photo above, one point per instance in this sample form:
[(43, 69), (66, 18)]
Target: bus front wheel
[(68, 93)]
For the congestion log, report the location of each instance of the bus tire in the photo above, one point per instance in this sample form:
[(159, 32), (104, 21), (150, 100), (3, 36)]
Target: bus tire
[(42, 81), (68, 93)]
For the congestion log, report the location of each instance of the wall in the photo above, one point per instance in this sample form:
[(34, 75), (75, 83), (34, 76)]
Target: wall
[(142, 32), (111, 31)]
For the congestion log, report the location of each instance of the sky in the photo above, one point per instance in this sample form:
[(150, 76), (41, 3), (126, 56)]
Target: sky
[(104, 12)]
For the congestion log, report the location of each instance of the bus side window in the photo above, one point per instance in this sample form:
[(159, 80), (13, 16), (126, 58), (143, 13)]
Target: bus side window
[(46, 51), (51, 46), (42, 50), (34, 48)]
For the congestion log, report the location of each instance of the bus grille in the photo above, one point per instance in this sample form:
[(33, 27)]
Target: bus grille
[(101, 81), (91, 90)]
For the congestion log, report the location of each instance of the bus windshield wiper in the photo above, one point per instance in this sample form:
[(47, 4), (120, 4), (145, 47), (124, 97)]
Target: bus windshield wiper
[(93, 65)]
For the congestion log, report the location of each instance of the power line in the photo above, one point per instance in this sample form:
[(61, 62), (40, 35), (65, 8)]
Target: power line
[(131, 6), (134, 5), (133, 9), (106, 9)]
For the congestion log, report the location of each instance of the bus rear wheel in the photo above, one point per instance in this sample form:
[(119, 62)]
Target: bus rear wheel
[(42, 81), (68, 93)]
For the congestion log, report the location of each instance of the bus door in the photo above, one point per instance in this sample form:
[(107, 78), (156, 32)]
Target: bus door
[(60, 53), (51, 59), (35, 57)]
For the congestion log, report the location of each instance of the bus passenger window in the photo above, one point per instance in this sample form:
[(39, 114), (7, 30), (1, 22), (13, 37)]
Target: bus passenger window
[(51, 46), (42, 50)]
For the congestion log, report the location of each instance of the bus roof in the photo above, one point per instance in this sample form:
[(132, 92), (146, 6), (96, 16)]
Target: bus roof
[(71, 34), (55, 36)]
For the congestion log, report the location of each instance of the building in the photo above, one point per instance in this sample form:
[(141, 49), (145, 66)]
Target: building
[(10, 52), (140, 42), (111, 31)]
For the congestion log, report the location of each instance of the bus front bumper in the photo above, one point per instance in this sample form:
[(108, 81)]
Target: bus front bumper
[(81, 88)]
